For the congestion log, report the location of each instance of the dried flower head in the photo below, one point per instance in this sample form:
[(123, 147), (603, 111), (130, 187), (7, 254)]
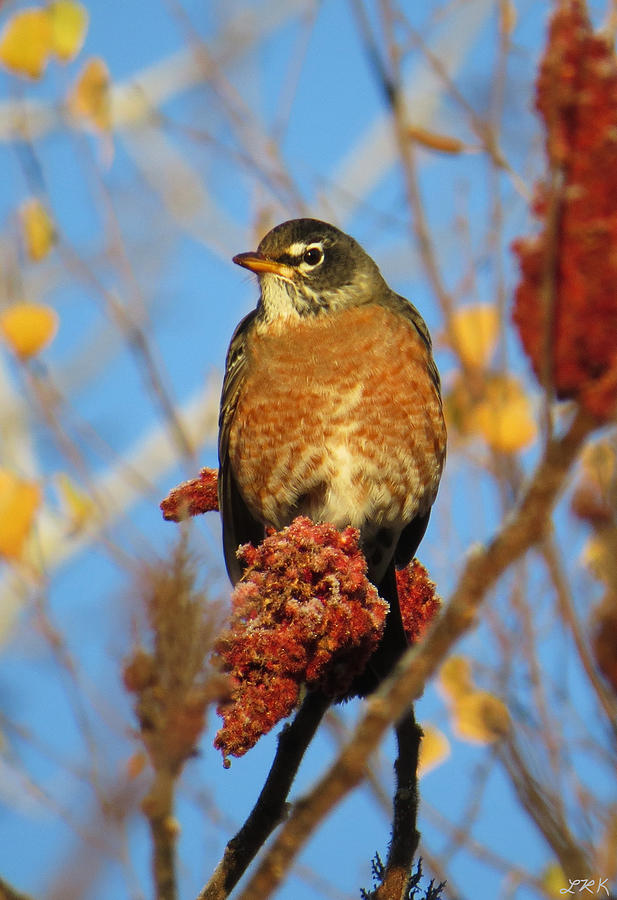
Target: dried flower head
[(172, 680), (191, 498), (417, 599), (304, 613), (566, 301)]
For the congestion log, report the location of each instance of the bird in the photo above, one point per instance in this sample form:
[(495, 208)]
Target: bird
[(331, 408)]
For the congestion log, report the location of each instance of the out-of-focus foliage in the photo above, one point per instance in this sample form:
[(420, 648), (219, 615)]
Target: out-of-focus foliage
[(89, 100), (34, 35), (19, 501), (27, 328), (37, 229)]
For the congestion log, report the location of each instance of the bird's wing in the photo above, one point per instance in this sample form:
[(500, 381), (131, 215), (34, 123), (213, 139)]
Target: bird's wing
[(409, 312), (239, 526), (409, 540), (413, 532)]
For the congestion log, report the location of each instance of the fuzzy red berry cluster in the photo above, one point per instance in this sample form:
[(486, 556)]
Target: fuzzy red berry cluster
[(304, 613), (566, 302)]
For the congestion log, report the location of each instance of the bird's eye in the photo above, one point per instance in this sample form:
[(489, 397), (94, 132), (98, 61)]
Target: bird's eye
[(313, 256)]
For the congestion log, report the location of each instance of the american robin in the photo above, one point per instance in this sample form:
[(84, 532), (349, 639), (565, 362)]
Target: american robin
[(331, 408)]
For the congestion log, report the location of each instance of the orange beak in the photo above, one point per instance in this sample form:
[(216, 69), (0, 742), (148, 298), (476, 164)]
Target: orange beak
[(260, 264)]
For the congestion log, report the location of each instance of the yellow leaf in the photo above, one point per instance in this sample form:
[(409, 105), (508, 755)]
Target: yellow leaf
[(599, 555), (554, 881), (480, 718), (473, 333), (599, 461), (504, 416), (28, 327), (455, 678), (433, 141), (26, 42), (458, 406), (90, 99), (37, 228), (19, 501), (434, 749), (69, 24), (78, 506)]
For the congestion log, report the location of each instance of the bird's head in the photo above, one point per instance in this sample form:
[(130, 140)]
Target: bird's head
[(306, 266)]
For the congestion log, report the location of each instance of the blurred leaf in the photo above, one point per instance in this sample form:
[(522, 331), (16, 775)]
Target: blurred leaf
[(474, 331), (480, 717), (599, 555), (495, 407), (136, 763), (504, 416), (434, 749), (19, 501), (69, 24), (454, 677), (554, 881), (38, 229), (507, 17), (458, 406), (90, 97), (433, 141), (26, 42), (28, 327), (599, 461), (78, 506)]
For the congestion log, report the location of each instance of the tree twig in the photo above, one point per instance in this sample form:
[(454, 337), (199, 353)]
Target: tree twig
[(270, 806), (158, 809), (405, 836), (7, 892), (544, 813), (565, 603)]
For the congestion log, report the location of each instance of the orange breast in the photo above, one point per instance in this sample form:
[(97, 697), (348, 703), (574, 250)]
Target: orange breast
[(338, 419)]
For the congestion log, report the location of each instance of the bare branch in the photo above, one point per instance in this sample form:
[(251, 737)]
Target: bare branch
[(270, 807)]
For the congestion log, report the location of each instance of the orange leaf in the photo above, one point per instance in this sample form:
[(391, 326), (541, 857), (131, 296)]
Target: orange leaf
[(69, 23), (26, 42), (37, 228), (28, 327), (507, 17), (19, 500), (433, 141), (136, 764), (90, 99)]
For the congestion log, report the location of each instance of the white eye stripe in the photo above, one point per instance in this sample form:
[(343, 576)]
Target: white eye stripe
[(297, 249)]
